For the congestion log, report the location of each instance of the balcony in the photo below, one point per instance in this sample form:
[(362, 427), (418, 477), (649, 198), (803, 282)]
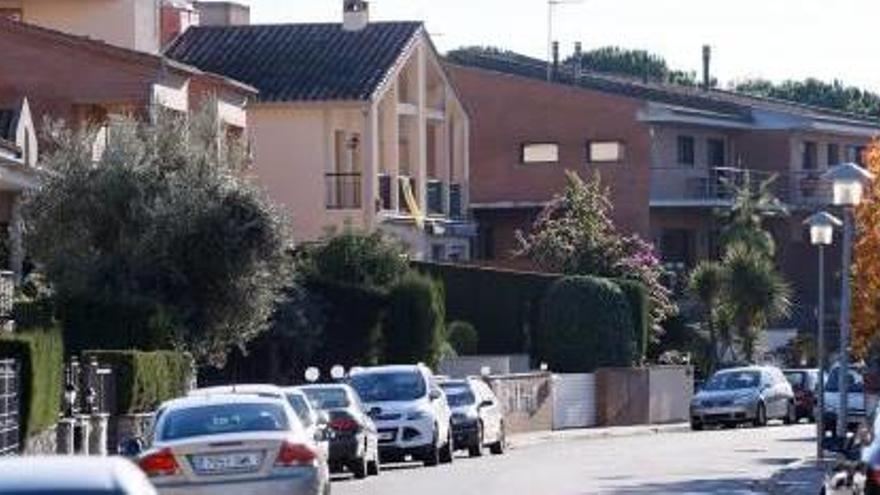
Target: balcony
[(434, 193), (343, 191), (715, 187)]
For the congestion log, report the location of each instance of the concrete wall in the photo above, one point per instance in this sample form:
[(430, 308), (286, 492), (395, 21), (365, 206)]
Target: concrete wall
[(464, 366), (632, 396), (527, 400)]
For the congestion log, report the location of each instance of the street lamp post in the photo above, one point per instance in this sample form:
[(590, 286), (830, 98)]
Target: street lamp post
[(822, 227), (848, 183)]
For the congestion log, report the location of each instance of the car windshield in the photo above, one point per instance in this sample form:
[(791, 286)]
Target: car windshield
[(460, 397), (389, 386), (328, 398), (733, 380), (856, 382), (301, 408), (221, 419)]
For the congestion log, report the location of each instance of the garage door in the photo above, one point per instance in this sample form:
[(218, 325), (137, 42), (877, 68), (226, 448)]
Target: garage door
[(574, 401)]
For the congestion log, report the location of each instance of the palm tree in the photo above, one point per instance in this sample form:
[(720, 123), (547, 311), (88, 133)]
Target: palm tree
[(706, 286), (753, 202), (755, 294)]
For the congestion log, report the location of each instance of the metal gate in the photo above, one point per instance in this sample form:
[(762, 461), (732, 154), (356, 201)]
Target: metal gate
[(9, 407), (574, 401)]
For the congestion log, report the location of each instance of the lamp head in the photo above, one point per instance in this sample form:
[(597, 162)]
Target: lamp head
[(822, 225), (848, 182)]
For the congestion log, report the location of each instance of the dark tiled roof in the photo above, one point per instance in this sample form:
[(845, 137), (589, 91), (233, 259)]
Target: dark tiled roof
[(299, 62), (732, 104)]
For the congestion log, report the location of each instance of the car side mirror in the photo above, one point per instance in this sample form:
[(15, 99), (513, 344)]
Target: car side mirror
[(131, 447), (323, 418), (485, 403), (434, 395)]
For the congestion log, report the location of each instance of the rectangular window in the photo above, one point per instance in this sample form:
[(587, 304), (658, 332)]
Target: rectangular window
[(605, 152), (715, 152), (833, 154), (540, 153), (686, 150), (809, 160)]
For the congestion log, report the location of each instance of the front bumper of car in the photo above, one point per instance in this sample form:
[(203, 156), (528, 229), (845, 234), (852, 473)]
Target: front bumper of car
[(409, 436), (730, 412)]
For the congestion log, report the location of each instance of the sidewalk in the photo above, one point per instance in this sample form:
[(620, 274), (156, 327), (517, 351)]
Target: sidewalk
[(801, 477), (518, 440)]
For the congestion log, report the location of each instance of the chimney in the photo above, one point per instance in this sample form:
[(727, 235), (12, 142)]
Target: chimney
[(175, 17), (223, 13), (355, 15), (707, 59), (578, 60), (555, 60)]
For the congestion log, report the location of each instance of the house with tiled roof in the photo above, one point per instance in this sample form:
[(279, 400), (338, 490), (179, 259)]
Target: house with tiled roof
[(667, 154), (356, 124)]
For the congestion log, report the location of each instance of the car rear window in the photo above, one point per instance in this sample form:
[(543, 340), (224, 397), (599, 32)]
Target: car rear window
[(328, 398), (221, 419)]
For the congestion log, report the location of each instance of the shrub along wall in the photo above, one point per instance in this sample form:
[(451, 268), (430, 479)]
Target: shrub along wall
[(145, 379), (640, 307), (414, 323), (40, 353)]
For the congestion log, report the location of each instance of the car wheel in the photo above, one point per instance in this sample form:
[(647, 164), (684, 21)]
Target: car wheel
[(432, 454), (359, 467), (790, 415), (760, 416), (696, 426), (477, 450), (498, 447), (373, 466), (447, 452)]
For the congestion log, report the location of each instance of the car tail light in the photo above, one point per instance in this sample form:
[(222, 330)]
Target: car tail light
[(874, 475), (344, 424), (161, 463), (295, 454)]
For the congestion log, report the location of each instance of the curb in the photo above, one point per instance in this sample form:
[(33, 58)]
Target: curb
[(529, 439)]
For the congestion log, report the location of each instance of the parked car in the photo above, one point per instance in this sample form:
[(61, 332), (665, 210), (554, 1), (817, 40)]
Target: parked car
[(314, 423), (805, 384), (232, 444), (477, 416), (410, 412), (855, 399), (354, 443), (74, 475), (738, 395)]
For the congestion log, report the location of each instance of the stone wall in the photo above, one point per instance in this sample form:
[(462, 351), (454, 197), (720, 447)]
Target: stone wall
[(527, 399), (43, 443)]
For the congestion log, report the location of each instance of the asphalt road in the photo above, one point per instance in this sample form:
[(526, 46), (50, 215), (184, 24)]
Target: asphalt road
[(714, 461)]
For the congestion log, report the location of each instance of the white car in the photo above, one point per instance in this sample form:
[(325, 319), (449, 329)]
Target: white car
[(477, 416), (233, 444), (68, 474), (410, 411)]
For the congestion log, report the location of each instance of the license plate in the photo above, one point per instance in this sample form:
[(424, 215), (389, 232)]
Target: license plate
[(386, 435), (225, 463)]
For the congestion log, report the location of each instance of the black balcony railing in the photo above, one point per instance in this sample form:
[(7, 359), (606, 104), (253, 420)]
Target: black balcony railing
[(385, 191), (343, 190), (455, 202), (435, 197)]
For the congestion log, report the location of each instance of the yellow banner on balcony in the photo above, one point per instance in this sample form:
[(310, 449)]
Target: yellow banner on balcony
[(412, 204)]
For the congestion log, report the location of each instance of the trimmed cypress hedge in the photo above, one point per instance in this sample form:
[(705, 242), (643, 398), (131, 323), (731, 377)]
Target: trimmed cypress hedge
[(640, 305), (145, 379), (587, 324), (413, 330), (40, 353)]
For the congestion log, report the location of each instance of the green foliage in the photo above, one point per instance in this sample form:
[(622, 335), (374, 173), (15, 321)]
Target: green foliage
[(706, 285), (357, 258), (834, 95), (41, 356), (463, 337), (754, 201), (640, 306), (161, 243), (503, 305), (414, 324), (145, 379), (575, 235), (352, 323), (587, 324)]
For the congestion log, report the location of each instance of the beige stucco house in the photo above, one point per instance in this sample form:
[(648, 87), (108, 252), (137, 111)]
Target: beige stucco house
[(356, 124)]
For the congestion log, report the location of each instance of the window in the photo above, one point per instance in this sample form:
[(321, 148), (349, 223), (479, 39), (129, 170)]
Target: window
[(540, 153), (605, 152), (438, 252), (833, 154), (808, 160), (686, 150), (715, 152)]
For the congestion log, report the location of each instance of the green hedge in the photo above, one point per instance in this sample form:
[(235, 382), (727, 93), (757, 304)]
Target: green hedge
[(40, 353), (413, 330), (640, 305), (587, 324), (145, 379), (463, 337)]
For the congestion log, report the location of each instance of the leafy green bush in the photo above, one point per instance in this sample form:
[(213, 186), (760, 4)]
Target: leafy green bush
[(587, 324), (352, 323), (413, 330), (463, 337), (40, 353), (145, 379), (639, 304)]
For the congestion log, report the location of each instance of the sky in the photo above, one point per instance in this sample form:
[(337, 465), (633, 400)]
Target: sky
[(772, 39)]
